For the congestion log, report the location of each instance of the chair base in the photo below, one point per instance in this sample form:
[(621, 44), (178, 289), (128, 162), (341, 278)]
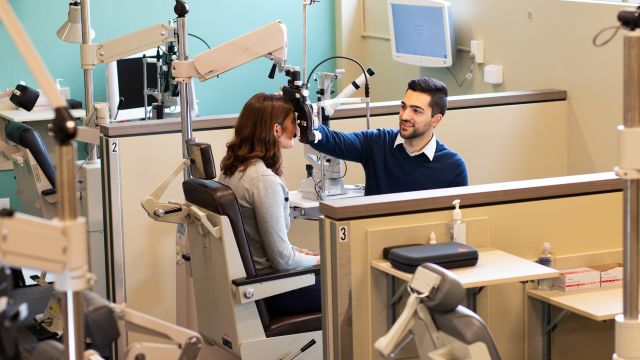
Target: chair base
[(279, 347), (283, 347)]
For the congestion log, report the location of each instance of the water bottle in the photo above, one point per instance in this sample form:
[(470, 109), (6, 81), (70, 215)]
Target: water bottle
[(546, 258)]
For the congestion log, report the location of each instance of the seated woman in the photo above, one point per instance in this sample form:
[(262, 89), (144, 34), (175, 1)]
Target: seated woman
[(252, 168)]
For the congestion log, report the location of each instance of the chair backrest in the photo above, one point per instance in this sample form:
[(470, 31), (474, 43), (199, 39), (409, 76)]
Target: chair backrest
[(452, 318), (467, 327), (220, 199)]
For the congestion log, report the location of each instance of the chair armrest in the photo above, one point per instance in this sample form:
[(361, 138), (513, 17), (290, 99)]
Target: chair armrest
[(276, 275), (258, 287)]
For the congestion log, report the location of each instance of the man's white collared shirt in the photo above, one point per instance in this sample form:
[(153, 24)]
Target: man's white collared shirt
[(429, 149)]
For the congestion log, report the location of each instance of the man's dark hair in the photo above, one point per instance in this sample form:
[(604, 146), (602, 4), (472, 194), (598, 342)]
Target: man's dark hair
[(434, 88)]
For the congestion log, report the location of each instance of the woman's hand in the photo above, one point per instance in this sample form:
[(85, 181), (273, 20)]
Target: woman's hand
[(306, 251)]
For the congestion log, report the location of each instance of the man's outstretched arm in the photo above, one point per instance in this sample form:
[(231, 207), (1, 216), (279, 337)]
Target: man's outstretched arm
[(345, 146)]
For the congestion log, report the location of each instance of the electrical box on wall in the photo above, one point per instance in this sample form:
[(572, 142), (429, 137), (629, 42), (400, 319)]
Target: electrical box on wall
[(477, 50), (493, 74)]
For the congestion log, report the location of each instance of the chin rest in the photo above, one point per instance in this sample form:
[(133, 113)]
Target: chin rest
[(219, 199)]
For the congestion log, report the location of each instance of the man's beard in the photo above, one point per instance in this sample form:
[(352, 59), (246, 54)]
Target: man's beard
[(414, 133)]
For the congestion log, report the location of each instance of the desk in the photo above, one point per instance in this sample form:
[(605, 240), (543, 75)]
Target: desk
[(35, 115), (598, 304), (302, 208), (310, 209), (494, 267)]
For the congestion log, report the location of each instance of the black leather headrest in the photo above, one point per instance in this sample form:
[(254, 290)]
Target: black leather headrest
[(25, 136), (100, 322), (24, 97)]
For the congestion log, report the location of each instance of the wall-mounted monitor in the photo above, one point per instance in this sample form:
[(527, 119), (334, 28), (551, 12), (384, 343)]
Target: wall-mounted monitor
[(422, 32)]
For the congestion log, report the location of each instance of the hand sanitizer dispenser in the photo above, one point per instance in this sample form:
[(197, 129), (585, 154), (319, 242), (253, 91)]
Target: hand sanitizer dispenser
[(432, 238), (65, 93), (457, 228)]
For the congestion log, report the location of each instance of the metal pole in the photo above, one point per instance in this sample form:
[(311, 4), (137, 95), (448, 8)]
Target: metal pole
[(73, 317), (73, 325), (74, 337), (304, 41), (66, 182), (631, 187), (145, 90), (88, 72), (185, 92)]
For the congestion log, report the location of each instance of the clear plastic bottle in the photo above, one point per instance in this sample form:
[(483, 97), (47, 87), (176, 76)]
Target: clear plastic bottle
[(457, 228), (546, 258)]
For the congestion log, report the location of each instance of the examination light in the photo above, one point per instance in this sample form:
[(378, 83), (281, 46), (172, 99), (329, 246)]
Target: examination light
[(71, 30)]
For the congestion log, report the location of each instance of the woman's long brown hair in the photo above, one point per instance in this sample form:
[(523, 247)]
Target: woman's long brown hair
[(254, 137)]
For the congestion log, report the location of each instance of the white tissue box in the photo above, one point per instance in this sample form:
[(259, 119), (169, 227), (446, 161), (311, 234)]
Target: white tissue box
[(610, 274), (578, 278)]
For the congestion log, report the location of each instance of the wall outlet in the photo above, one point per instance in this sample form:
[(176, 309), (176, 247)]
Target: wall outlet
[(5, 203), (477, 50)]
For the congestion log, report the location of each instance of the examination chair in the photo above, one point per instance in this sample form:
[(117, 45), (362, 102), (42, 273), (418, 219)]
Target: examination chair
[(433, 317), (229, 291)]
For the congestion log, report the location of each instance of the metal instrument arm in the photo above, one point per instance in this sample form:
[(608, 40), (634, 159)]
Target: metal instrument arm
[(127, 45), (269, 41)]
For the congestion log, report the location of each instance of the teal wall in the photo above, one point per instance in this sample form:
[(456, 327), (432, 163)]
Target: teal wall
[(8, 188), (215, 21)]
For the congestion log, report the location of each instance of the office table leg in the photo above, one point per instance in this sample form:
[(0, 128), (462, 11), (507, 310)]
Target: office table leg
[(391, 310), (393, 298), (549, 324), (472, 297)]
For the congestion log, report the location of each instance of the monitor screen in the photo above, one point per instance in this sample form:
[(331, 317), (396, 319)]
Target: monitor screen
[(419, 30), (125, 80), (422, 32), (131, 82)]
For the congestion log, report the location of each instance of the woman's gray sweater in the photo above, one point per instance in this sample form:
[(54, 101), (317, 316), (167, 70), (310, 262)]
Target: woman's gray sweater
[(264, 205)]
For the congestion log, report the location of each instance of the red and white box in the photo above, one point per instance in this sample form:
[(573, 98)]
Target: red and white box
[(610, 274), (578, 279)]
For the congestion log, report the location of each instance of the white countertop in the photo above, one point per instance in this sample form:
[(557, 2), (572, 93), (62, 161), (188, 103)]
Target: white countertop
[(597, 304), (493, 267), (35, 114)]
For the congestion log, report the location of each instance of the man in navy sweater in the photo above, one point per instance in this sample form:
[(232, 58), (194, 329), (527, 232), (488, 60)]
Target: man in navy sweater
[(408, 159)]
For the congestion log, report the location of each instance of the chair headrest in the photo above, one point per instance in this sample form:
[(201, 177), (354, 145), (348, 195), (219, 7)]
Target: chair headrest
[(100, 321), (27, 137), (202, 165), (449, 293)]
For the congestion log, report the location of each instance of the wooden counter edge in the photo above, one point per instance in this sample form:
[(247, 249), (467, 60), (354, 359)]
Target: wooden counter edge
[(470, 196), (147, 127)]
